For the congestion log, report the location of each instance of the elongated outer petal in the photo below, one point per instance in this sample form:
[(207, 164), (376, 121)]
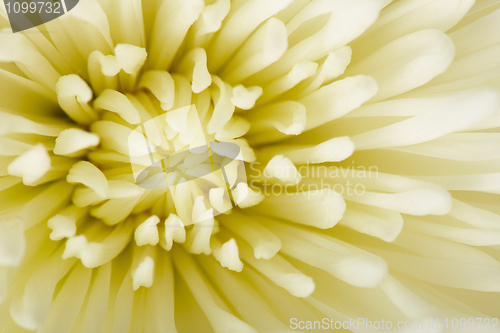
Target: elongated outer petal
[(470, 108), (32, 165), (208, 300), (239, 25), (89, 175), (407, 17), (337, 99), (97, 254), (407, 62), (73, 140), (12, 242), (318, 208)]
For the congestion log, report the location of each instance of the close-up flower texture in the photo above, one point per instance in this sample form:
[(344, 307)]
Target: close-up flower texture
[(251, 166)]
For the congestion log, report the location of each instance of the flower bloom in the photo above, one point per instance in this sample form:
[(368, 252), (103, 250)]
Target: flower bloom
[(245, 165)]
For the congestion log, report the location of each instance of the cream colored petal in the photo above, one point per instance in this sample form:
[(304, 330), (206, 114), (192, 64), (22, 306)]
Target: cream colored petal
[(172, 22), (434, 123), (407, 63), (407, 17), (30, 308), (12, 123), (337, 99), (333, 150), (241, 21), (97, 254), (147, 232), (95, 313), (213, 307), (12, 241), (342, 260), (114, 101), (174, 231), (89, 175), (32, 165), (224, 109), (264, 243), (126, 21), (227, 254), (69, 301), (63, 224), (74, 95), (161, 84), (262, 49), (194, 66), (74, 140), (245, 98), (420, 201), (143, 275), (317, 39), (283, 169), (281, 272), (318, 208), (275, 121), (19, 49)]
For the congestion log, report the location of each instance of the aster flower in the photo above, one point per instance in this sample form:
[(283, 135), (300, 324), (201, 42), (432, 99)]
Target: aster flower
[(246, 165)]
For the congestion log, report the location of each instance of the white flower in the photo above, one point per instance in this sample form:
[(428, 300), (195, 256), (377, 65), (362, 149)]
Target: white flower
[(246, 165)]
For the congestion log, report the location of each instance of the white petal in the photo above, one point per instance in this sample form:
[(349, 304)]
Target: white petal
[(32, 165), (434, 123), (265, 244), (194, 66), (114, 101), (319, 208), (161, 85), (143, 275), (333, 150), (89, 175), (227, 254), (245, 98), (407, 62), (244, 196), (420, 201), (97, 254), (174, 231), (281, 272), (407, 17), (173, 19), (147, 232), (74, 94), (63, 224), (130, 57), (337, 99), (283, 169), (239, 24), (12, 242), (19, 49), (73, 140), (275, 121), (374, 221), (263, 48), (224, 109)]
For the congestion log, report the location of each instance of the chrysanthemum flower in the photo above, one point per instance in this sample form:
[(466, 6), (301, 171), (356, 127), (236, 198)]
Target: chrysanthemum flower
[(368, 132)]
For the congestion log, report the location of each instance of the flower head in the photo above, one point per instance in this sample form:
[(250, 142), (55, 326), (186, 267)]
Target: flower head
[(246, 165)]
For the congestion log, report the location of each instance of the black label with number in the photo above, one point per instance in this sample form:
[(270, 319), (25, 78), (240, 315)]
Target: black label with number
[(26, 14)]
